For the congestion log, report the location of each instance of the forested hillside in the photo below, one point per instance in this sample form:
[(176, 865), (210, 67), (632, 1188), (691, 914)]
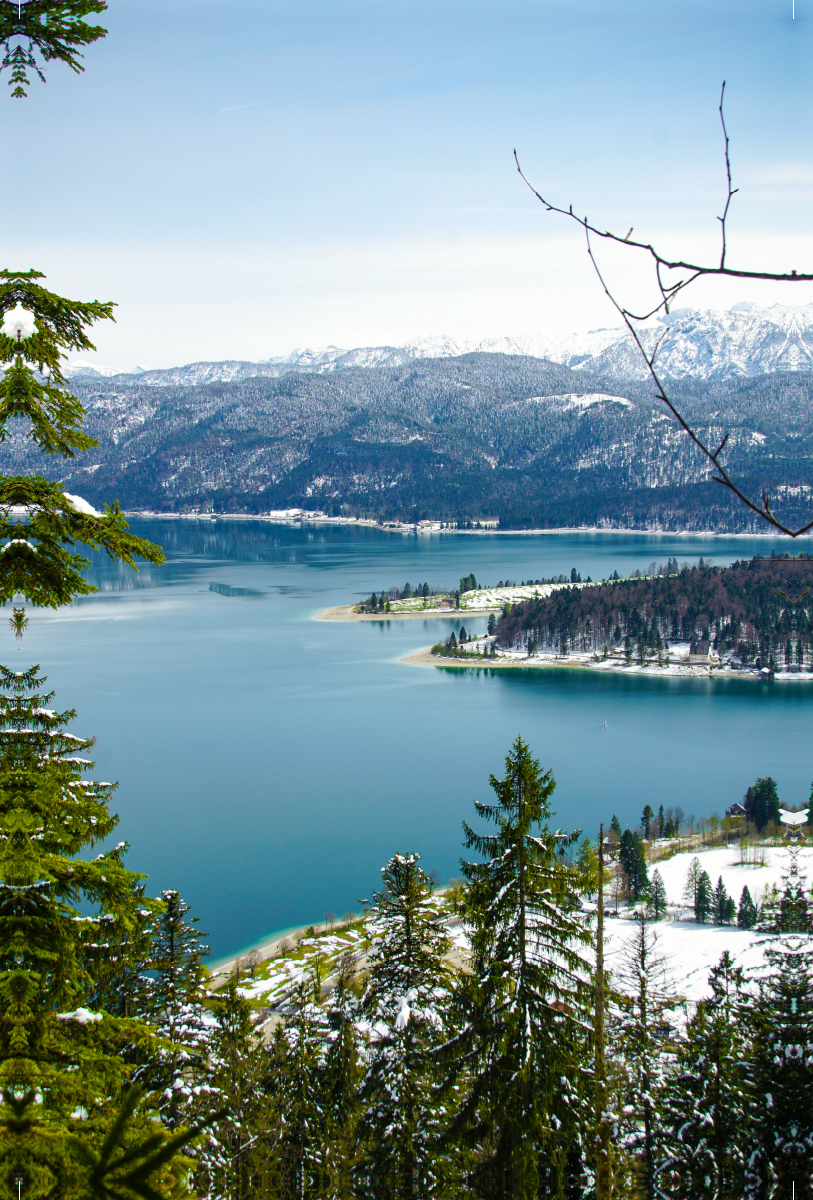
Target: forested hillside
[(482, 436), (762, 610)]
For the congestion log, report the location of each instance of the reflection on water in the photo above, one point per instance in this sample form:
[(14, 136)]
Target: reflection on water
[(269, 763)]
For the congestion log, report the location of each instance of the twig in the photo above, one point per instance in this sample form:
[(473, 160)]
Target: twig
[(668, 292)]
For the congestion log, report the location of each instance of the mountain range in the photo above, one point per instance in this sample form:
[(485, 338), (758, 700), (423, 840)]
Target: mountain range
[(436, 430), (745, 341)]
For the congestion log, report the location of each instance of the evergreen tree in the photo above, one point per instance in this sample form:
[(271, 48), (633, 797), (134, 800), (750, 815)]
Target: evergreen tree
[(406, 993), (747, 911), (780, 1152), (721, 904), (661, 822), (587, 862), (615, 829), (761, 803), (704, 898), (646, 820), (55, 29), (705, 1101), (55, 960), (299, 1155), (523, 1044), (234, 1161), (692, 880), (40, 524), (174, 1005), (644, 996), (657, 902), (71, 932), (341, 1083), (632, 855), (492, 624)]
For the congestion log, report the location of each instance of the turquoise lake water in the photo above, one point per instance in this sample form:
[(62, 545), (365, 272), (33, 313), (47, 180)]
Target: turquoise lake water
[(269, 763)]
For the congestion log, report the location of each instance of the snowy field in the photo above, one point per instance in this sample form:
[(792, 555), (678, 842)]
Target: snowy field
[(693, 949), (481, 598)]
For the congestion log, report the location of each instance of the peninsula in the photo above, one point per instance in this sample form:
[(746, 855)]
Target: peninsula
[(752, 618)]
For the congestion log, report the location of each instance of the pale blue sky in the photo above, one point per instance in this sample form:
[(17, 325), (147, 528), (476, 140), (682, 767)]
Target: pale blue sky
[(250, 176)]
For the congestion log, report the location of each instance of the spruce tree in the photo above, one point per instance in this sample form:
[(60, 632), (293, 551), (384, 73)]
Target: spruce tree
[(174, 1004), (72, 932), (704, 897), (404, 1001), (747, 911), (56, 30), (632, 856), (300, 1057), (692, 879), (656, 901), (705, 1102), (340, 1086), (644, 997), (233, 1161), (721, 904), (39, 523), (523, 1044), (55, 958)]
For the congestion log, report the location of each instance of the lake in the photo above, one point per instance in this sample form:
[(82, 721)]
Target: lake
[(269, 764)]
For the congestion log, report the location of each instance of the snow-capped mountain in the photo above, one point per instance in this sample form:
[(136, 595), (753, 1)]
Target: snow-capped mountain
[(742, 342)]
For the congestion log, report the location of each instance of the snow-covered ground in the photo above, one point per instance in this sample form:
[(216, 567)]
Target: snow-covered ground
[(693, 949), (482, 598)]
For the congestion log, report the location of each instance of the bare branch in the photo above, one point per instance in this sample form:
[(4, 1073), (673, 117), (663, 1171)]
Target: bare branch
[(731, 193), (668, 292), (677, 264)]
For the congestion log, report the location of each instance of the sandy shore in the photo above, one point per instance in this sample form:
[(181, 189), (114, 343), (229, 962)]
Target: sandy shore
[(224, 967), (346, 613)]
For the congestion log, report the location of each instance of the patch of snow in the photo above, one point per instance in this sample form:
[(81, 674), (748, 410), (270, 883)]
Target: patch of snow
[(83, 1015), (80, 505)]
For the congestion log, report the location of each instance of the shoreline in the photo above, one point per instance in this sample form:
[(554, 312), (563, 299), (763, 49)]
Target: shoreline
[(425, 658), (344, 612), (369, 522)]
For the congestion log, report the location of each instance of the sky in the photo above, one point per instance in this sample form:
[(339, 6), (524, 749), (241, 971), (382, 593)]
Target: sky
[(250, 177)]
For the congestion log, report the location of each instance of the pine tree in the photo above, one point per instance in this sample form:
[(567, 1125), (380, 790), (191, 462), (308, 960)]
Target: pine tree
[(233, 1162), (340, 1087), (522, 1046), (747, 911), (705, 1101), (300, 1056), (54, 960), (632, 856), (704, 897), (720, 904), (55, 29), (404, 1002), (657, 902), (174, 1005), (644, 997)]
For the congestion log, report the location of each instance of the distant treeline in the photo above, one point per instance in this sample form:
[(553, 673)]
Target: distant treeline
[(761, 609)]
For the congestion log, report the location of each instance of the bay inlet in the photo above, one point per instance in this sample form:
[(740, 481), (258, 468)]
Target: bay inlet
[(270, 763)]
